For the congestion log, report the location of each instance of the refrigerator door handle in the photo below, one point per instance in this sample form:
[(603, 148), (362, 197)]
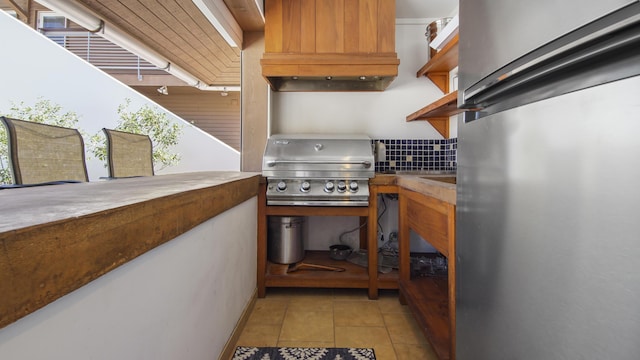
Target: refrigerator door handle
[(598, 53)]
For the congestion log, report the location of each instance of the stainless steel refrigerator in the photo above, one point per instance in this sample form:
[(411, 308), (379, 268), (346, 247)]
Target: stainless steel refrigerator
[(548, 207)]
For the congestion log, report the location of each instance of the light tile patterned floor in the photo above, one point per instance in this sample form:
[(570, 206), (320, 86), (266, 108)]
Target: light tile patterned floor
[(336, 318)]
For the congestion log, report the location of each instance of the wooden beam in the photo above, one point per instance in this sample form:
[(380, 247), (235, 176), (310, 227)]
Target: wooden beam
[(221, 18), (23, 14), (255, 108), (248, 14)]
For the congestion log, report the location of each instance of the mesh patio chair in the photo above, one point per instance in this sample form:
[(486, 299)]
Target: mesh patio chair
[(41, 153), (128, 154)]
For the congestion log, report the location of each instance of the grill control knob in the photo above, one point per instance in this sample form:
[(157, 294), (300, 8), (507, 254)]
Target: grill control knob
[(282, 186), (353, 186), (342, 186), (329, 186), (305, 186)]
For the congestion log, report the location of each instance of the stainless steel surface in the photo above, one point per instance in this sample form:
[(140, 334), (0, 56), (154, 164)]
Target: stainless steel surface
[(603, 51), (328, 202), (318, 169), (340, 251), (285, 243), (547, 199), (489, 24), (569, 44), (365, 164), (343, 83), (294, 193), (432, 31), (547, 229)]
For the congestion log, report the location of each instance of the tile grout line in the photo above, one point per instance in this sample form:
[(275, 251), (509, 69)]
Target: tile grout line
[(386, 327), (333, 314), (284, 316)]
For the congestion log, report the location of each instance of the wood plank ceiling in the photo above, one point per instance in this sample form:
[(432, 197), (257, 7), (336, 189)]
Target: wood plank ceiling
[(179, 31)]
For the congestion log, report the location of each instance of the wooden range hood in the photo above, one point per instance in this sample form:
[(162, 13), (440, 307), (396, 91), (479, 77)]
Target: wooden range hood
[(329, 45)]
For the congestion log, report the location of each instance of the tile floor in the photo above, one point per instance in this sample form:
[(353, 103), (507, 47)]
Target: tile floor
[(336, 318)]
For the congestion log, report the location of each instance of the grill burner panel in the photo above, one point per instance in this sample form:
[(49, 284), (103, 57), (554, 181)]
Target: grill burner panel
[(313, 192), (318, 170)]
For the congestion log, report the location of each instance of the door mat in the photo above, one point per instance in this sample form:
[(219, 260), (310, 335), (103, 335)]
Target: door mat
[(293, 353)]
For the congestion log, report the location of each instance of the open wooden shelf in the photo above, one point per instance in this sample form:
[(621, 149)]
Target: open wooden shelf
[(354, 276), (427, 298), (444, 60), (440, 65), (444, 107), (437, 70)]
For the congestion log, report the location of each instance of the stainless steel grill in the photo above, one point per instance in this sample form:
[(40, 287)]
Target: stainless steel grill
[(318, 170)]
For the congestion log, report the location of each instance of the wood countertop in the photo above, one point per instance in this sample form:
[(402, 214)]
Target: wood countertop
[(57, 238), (33, 206), (434, 185)]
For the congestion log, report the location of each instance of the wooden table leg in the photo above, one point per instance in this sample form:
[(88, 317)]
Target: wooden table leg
[(262, 241), (404, 243), (372, 242)]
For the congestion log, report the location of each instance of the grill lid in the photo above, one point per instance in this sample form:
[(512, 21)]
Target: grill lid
[(318, 156)]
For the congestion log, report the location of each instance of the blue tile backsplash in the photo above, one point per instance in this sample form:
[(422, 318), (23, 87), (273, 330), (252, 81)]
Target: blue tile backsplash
[(418, 154)]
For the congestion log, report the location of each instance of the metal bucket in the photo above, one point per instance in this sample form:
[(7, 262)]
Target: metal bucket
[(284, 241), (432, 31)]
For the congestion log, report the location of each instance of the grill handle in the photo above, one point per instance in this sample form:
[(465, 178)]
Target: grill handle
[(365, 164)]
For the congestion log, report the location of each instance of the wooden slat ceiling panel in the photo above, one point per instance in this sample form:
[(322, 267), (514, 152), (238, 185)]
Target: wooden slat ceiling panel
[(201, 31), (177, 30), (182, 41)]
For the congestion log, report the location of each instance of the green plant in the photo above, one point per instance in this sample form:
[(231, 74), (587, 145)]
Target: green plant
[(147, 121), (43, 111)]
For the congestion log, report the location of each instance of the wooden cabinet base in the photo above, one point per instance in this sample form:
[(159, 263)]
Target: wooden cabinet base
[(354, 276), (427, 298), (431, 299)]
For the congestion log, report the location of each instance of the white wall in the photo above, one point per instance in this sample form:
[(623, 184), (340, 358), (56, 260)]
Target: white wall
[(180, 300), (377, 114), (34, 66)]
